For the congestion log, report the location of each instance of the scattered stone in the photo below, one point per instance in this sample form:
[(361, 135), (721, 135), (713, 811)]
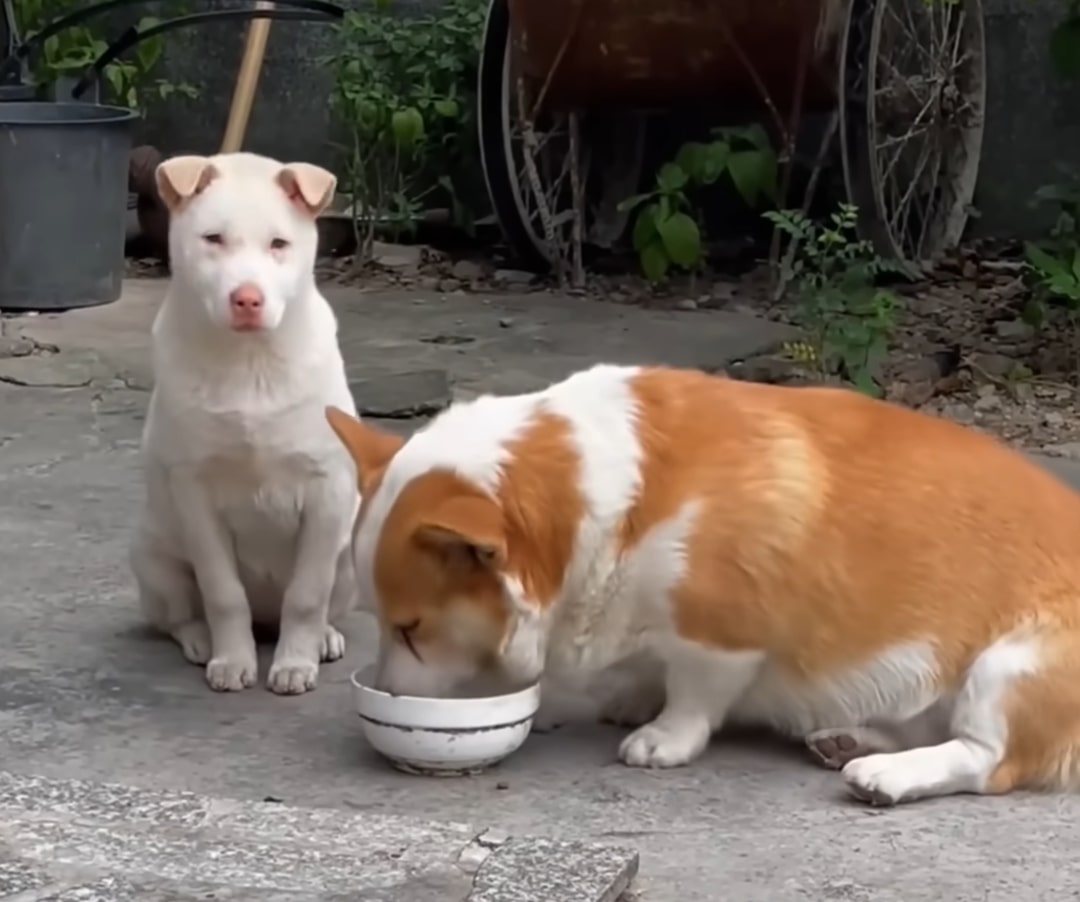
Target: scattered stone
[(969, 270), (1054, 419), (775, 369), (1070, 450), (447, 286), (13, 346), (997, 365), (506, 322), (402, 396), (514, 277), (1003, 266), (987, 399), (686, 304), (723, 293), (467, 271), (1014, 330), (962, 413), (911, 394), (402, 258), (930, 367)]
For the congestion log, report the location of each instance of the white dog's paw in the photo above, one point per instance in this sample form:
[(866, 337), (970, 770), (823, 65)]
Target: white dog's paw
[(667, 745), (292, 677), (882, 779), (834, 748), (232, 672), (193, 638), (332, 647)]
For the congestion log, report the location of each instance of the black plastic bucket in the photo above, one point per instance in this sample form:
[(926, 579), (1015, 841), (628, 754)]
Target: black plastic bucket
[(63, 204)]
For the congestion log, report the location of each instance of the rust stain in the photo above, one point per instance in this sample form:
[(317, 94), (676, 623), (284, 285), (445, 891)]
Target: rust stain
[(639, 52)]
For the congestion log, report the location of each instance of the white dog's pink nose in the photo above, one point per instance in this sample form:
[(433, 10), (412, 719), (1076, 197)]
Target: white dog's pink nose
[(246, 308)]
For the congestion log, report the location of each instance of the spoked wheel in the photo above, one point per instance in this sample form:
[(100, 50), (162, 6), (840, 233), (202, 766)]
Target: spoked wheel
[(534, 158), (912, 111)]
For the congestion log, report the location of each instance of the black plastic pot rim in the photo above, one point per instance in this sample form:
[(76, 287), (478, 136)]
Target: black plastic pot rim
[(20, 112)]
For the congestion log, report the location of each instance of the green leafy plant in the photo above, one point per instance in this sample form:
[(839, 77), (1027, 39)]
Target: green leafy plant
[(129, 81), (1054, 263), (405, 95), (667, 230), (847, 318)]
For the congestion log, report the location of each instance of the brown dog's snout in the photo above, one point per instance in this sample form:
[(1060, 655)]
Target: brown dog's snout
[(245, 307)]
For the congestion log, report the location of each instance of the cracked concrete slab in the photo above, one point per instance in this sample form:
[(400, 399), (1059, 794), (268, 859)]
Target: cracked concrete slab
[(408, 349), (79, 840), (87, 692)]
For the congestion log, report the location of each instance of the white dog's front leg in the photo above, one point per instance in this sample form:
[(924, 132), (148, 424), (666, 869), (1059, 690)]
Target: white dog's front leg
[(233, 664), (306, 637), (701, 686)]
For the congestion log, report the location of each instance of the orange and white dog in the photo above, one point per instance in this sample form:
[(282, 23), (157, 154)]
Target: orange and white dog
[(900, 592)]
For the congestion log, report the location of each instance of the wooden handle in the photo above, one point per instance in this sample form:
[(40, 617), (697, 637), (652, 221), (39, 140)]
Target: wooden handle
[(247, 80)]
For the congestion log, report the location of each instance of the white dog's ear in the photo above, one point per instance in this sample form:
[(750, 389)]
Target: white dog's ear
[(181, 178), (370, 449), (310, 187)]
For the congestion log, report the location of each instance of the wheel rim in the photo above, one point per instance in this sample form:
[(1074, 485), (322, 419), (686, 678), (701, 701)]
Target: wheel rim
[(925, 107), (611, 157)]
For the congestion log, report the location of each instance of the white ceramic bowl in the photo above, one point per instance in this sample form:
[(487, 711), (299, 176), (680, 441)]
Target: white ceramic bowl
[(443, 736)]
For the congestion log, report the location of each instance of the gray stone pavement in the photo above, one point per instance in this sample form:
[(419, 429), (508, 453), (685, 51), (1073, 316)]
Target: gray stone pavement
[(87, 693), (63, 841)]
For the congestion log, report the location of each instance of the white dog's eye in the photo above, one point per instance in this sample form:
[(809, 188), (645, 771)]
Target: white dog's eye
[(279, 244), (214, 238)]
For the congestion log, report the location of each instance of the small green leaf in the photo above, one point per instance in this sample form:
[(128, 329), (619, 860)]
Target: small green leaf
[(757, 136), (1046, 264), (654, 261), (644, 228), (681, 238), (632, 202), (447, 108), (1034, 313), (715, 162), (691, 158), (671, 178), (749, 172), (865, 383)]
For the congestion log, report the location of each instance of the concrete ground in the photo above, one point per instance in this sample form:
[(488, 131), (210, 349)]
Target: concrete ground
[(86, 692)]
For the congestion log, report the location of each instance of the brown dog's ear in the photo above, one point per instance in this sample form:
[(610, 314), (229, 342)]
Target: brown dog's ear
[(467, 529), (181, 178), (371, 449), (309, 187)]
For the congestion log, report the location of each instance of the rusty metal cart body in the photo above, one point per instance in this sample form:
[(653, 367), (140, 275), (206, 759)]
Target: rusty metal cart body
[(566, 87)]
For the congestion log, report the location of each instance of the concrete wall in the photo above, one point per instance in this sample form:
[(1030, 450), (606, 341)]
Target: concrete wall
[(1033, 118), (1033, 121)]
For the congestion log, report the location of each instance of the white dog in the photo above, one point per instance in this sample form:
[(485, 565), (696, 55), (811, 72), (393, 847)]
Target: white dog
[(250, 497)]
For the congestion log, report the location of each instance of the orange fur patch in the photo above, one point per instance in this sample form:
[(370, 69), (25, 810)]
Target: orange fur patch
[(781, 475), (535, 513)]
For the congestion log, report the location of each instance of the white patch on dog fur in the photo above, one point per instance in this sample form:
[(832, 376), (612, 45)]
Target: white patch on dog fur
[(977, 740)]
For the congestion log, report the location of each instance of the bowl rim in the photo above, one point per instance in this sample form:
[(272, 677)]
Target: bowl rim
[(459, 703)]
